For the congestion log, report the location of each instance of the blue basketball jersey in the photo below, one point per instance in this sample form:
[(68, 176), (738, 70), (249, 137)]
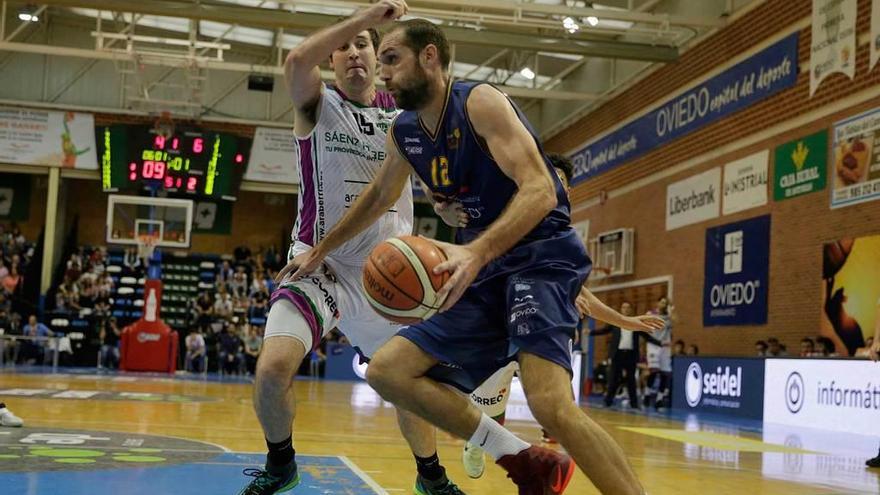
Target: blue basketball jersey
[(456, 165)]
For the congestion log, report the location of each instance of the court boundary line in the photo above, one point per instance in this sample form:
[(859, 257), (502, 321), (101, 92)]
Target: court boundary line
[(362, 475)]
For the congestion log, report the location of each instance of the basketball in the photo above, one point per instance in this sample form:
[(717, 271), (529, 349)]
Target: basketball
[(399, 279)]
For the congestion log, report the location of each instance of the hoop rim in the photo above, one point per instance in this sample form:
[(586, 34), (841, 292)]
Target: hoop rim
[(148, 240)]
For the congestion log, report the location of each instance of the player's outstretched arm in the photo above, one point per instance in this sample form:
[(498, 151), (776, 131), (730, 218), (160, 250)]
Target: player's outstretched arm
[(517, 155), (589, 305), (302, 74), (376, 199)]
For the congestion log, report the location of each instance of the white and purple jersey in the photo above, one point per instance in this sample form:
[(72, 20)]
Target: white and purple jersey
[(336, 161)]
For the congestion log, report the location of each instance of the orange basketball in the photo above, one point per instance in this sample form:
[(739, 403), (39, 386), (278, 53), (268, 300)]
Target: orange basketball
[(399, 279)]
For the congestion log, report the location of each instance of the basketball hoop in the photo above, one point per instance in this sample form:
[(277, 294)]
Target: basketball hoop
[(600, 272), (146, 245), (164, 125)]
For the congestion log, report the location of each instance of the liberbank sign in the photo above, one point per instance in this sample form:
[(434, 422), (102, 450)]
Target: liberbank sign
[(766, 73)]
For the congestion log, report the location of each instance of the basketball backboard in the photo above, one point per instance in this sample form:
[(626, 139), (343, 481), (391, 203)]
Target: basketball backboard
[(612, 253), (131, 217)]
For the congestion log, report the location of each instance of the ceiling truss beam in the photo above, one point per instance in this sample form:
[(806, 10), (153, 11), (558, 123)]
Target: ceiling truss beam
[(259, 17), (249, 68)]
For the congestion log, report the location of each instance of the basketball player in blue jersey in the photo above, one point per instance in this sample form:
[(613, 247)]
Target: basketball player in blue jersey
[(491, 396), (514, 276), (340, 135)]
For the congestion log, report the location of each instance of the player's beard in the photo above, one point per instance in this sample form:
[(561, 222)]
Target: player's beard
[(415, 92)]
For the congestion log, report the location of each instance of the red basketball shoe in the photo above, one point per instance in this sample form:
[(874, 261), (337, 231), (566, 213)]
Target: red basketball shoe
[(538, 471)]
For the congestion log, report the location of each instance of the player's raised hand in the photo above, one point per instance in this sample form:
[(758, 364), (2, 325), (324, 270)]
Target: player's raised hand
[(300, 266), (646, 323), (464, 265), (385, 11)]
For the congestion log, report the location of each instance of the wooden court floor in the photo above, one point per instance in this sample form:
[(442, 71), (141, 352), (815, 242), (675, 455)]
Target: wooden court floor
[(350, 430)]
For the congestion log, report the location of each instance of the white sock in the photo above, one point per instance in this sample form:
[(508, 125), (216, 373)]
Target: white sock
[(497, 441)]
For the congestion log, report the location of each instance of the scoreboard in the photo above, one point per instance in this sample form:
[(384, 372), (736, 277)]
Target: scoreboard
[(191, 163)]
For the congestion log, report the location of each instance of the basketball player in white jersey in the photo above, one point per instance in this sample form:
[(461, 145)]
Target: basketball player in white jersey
[(492, 396), (340, 133)]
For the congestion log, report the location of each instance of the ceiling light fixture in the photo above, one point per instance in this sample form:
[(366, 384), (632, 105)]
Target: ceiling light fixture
[(527, 73), (570, 25), (28, 13), (593, 20)]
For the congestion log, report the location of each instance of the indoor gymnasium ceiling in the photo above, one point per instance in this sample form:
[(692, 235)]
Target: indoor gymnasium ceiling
[(193, 58)]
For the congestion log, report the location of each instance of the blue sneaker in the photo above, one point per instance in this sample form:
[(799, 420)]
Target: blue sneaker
[(268, 483)]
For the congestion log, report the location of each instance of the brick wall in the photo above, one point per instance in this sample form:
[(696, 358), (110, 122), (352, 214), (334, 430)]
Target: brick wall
[(800, 226)]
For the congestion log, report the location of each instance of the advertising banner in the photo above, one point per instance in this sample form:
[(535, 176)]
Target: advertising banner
[(719, 385), (745, 183), (851, 292), (800, 166), (764, 74), (737, 267), (833, 46), (273, 157), (856, 158), (828, 394), (694, 199), (42, 137)]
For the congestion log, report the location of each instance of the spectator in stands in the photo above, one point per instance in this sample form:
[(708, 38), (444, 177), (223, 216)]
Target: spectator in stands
[(88, 293), (259, 302), (240, 306), (5, 302), (7, 418), (239, 283), (12, 282), (223, 305), (230, 350), (196, 358), (102, 305), (826, 347), (110, 335), (808, 348), (678, 348), (273, 260), (259, 280), (131, 260), (98, 259), (36, 349), (105, 283), (693, 350), (4, 271), (242, 255), (259, 263), (16, 236), (8, 327), (74, 267), (252, 346), (224, 276), (204, 308), (774, 349), (760, 348), (67, 297)]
